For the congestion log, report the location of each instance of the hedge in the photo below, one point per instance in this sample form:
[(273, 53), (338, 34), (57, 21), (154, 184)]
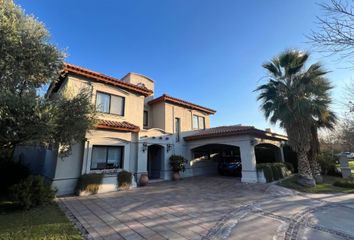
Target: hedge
[(273, 171), (344, 184)]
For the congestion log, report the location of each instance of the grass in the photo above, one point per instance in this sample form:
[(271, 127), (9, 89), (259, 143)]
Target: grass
[(45, 223), (351, 164), (325, 187)]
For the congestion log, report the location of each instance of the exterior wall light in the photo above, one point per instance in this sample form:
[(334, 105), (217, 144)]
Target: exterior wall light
[(145, 146), (169, 147)]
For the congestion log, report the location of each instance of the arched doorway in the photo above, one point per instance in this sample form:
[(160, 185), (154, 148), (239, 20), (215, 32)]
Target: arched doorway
[(267, 153), (155, 159)]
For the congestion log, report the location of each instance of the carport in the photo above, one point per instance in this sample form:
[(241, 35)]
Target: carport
[(205, 158), (205, 147)]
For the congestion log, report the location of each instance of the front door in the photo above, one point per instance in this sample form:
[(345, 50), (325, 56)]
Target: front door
[(155, 156)]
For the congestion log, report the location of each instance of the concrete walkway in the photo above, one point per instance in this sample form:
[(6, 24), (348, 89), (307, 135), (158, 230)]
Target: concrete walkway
[(212, 208)]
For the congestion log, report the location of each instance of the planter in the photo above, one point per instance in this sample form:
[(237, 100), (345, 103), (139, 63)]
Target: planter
[(176, 176), (144, 180)]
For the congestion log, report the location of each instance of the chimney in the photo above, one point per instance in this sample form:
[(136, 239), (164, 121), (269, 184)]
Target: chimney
[(269, 130)]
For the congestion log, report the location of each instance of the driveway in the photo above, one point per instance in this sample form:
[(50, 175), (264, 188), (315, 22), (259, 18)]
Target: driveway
[(212, 208)]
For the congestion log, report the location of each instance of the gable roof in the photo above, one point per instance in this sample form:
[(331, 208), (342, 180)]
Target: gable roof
[(115, 125), (234, 130), (180, 102), (100, 77)]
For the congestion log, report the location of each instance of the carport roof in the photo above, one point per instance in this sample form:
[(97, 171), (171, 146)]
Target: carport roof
[(234, 130)]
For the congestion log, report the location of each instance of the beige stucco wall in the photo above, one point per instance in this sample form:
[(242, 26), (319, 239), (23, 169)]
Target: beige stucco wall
[(135, 78), (186, 117), (157, 115), (134, 104), (111, 138), (68, 170)]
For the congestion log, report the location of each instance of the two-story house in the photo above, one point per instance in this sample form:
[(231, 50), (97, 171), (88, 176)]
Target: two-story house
[(137, 132)]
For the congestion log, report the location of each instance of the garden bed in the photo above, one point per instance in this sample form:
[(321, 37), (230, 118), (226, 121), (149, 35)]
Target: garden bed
[(325, 187)]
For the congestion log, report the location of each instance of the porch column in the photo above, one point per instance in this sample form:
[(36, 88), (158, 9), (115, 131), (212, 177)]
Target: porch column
[(85, 157), (142, 160), (248, 159), (282, 158)]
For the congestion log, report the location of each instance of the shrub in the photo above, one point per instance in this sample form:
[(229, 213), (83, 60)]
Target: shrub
[(177, 163), (344, 184), (277, 171), (124, 179), (89, 182), (267, 171), (11, 172), (289, 166), (327, 163), (272, 171), (32, 191)]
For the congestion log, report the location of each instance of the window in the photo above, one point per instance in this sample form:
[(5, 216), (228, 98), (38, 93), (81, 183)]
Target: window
[(177, 128), (146, 121), (102, 102), (117, 105), (198, 122), (107, 157), (110, 103), (195, 122)]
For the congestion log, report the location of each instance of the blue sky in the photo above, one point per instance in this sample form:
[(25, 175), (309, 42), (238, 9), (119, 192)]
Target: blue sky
[(206, 52)]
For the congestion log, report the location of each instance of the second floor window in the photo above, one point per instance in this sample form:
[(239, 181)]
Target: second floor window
[(108, 103), (198, 122), (178, 128), (146, 117)]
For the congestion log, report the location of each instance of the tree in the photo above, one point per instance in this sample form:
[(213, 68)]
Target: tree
[(295, 97), (335, 32), (28, 62), (347, 124), (324, 120)]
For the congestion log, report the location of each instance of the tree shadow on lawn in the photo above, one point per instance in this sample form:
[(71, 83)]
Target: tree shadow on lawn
[(44, 222)]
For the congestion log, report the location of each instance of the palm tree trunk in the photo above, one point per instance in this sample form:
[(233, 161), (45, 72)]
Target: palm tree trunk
[(312, 155), (305, 172), (316, 170)]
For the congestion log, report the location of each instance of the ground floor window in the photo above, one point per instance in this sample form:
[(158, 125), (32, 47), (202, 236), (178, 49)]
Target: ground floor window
[(107, 157)]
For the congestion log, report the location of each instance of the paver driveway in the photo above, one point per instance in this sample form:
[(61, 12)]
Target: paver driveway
[(213, 208), (186, 209)]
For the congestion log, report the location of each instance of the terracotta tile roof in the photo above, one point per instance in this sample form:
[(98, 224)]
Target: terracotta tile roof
[(166, 98), (115, 125), (69, 68), (235, 130)]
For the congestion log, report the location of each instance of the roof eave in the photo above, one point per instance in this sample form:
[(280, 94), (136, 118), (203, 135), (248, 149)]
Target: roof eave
[(276, 137), (118, 83), (186, 104), (122, 129)]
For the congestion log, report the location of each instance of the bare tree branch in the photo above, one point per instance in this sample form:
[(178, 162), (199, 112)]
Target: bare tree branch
[(335, 33)]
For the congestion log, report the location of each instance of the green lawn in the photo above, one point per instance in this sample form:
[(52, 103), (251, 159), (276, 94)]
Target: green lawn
[(351, 165), (47, 222), (325, 187)]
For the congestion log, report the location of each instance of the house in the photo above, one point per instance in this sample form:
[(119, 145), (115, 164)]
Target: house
[(138, 132)]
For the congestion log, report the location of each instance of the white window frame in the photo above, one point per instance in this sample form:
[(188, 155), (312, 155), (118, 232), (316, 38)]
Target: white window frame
[(198, 118)]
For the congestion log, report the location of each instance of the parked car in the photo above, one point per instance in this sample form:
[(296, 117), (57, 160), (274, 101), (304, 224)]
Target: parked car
[(231, 168), (350, 155)]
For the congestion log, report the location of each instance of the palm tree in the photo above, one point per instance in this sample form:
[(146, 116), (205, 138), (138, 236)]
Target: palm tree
[(294, 97), (325, 120)]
